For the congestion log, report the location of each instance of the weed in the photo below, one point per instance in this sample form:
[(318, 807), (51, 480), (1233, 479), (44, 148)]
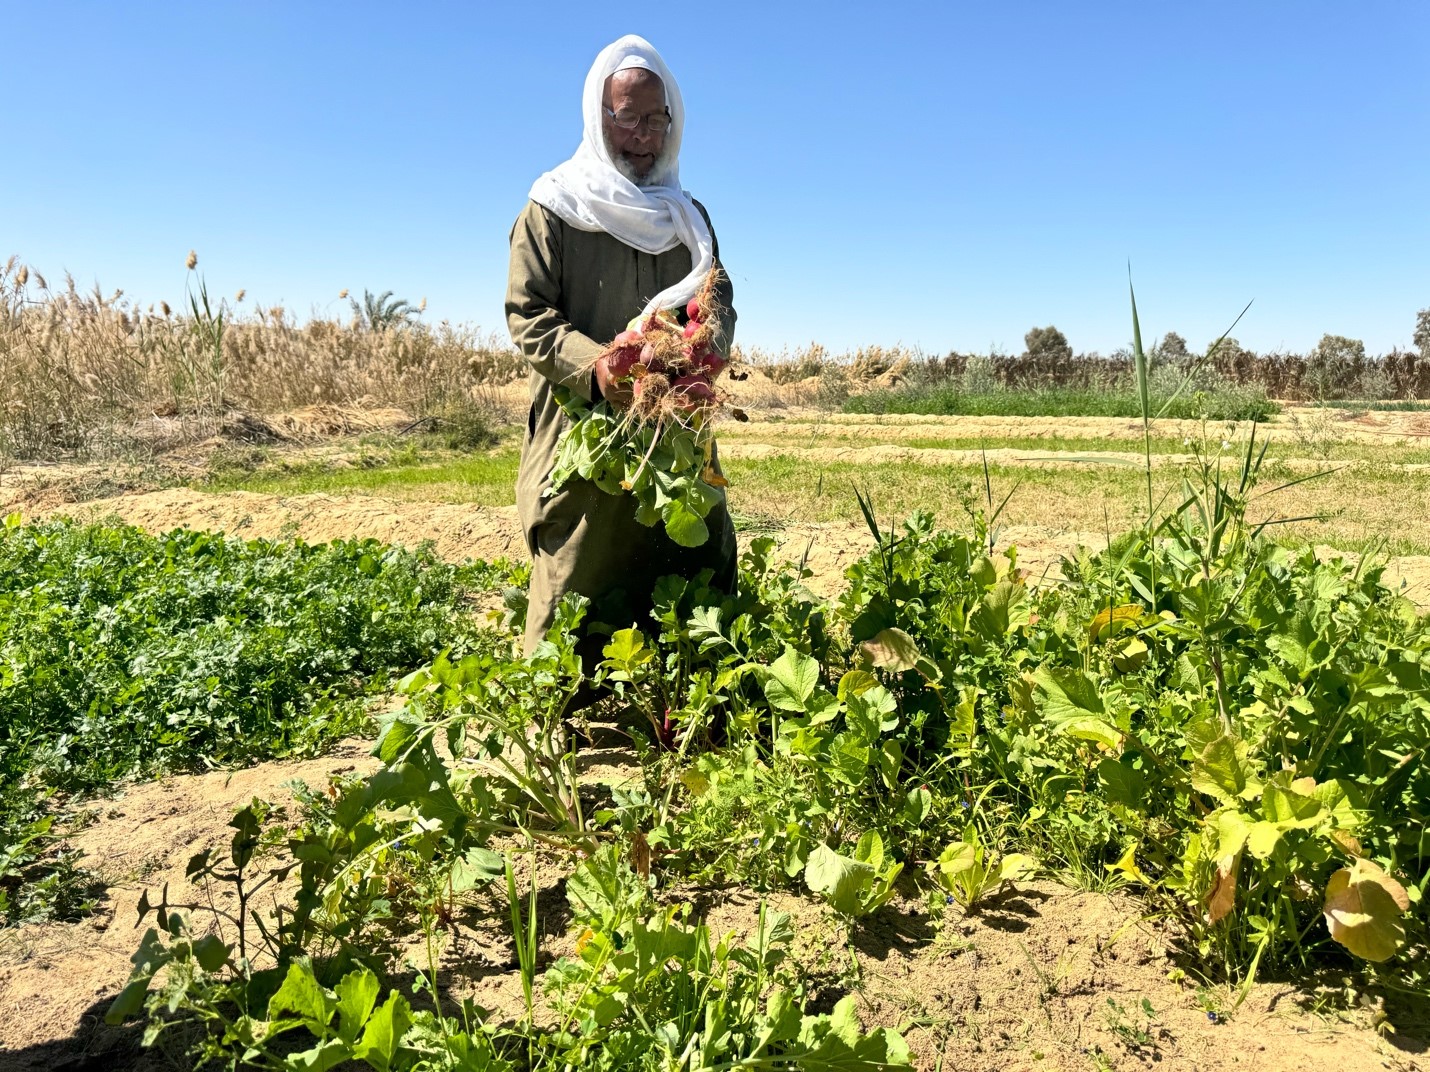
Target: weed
[(1137, 1029)]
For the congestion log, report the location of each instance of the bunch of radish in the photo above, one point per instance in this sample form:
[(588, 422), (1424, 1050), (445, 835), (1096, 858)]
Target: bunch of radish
[(659, 448), (672, 368)]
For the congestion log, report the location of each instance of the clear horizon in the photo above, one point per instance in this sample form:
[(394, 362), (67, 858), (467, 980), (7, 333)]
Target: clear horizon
[(942, 177)]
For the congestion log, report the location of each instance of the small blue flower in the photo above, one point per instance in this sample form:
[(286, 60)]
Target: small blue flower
[(963, 804), (1213, 1017), (948, 898), (755, 842)]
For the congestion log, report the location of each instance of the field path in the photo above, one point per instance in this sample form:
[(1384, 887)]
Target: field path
[(1342, 425), (889, 452)]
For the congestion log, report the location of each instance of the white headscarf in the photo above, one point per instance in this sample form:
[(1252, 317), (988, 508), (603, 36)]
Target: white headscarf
[(591, 195)]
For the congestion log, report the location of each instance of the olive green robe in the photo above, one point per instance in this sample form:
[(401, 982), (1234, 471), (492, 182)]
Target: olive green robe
[(569, 293)]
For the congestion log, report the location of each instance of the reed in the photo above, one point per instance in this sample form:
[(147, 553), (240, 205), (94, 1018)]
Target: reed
[(86, 373)]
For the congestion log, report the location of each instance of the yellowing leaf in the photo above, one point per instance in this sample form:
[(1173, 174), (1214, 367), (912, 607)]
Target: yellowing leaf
[(1093, 729), (628, 646), (714, 479), (1363, 909), (1348, 842), (1130, 655), (694, 781), (958, 858), (1222, 898), (1110, 620), (1232, 830), (1127, 867), (1015, 866), (856, 683), (1262, 839), (1282, 804), (891, 649)]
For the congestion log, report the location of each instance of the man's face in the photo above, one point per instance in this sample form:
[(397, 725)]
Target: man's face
[(634, 94)]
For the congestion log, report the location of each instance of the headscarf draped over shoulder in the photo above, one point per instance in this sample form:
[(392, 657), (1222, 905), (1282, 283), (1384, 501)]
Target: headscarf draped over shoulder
[(591, 195)]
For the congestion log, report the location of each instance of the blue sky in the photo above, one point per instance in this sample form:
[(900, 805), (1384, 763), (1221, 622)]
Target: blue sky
[(938, 175)]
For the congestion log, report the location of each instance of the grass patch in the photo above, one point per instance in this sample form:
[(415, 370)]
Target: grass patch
[(1090, 499), (483, 480), (949, 401)]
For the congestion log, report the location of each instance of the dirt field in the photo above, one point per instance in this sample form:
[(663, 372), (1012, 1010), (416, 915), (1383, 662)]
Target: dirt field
[(1044, 978)]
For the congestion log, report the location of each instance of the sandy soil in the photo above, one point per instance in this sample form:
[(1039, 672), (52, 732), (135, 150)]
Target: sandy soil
[(56, 980), (1023, 983)]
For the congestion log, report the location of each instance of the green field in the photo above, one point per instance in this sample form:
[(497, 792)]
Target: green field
[(1208, 720), (1216, 726)]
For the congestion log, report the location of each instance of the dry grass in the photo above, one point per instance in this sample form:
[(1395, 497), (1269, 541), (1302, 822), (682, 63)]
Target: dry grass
[(814, 360), (812, 376), (85, 374)]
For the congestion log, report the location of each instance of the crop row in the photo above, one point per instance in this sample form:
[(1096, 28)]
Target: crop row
[(125, 654), (1233, 729)]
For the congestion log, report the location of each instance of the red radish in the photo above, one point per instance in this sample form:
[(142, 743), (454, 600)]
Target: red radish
[(708, 363), (651, 359), (692, 309), (627, 338), (620, 363), (691, 328), (692, 392)]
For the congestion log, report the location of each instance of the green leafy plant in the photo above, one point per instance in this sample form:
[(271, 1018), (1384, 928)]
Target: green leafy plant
[(854, 885), (663, 466), (968, 872), (1138, 1030)]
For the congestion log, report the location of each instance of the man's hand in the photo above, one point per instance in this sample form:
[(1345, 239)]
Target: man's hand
[(617, 393)]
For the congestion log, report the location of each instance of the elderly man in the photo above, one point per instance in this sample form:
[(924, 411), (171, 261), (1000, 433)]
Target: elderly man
[(606, 235)]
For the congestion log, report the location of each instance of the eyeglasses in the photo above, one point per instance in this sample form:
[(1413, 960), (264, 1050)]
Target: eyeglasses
[(655, 124)]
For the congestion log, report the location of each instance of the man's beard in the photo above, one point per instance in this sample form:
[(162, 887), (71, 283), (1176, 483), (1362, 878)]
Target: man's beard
[(623, 165)]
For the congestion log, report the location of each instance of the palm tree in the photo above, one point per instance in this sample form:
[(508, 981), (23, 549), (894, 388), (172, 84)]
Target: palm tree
[(382, 311)]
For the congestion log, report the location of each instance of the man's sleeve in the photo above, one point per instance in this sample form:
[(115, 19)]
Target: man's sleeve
[(534, 315), (724, 293)]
